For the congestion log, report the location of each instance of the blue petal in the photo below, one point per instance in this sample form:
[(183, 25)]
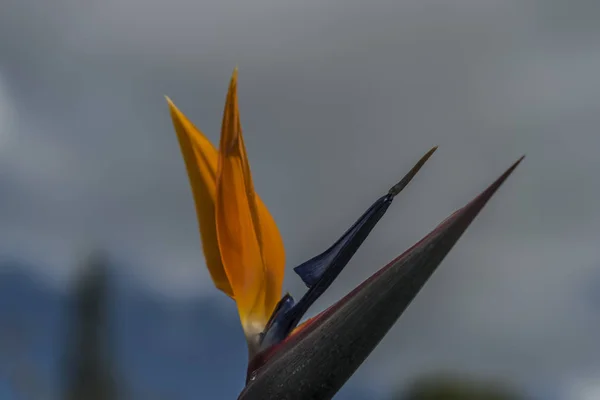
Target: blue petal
[(319, 272), (277, 328), (312, 270), (344, 248)]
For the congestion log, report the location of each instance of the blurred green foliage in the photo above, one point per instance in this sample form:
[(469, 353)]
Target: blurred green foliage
[(455, 388)]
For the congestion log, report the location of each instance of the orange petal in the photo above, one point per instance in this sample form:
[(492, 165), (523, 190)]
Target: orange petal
[(200, 158), (251, 248)]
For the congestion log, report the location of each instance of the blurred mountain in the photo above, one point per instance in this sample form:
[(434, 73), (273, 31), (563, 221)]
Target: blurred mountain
[(165, 348), (31, 333)]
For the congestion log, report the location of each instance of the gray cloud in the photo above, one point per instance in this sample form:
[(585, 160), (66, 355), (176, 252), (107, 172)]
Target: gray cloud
[(337, 100)]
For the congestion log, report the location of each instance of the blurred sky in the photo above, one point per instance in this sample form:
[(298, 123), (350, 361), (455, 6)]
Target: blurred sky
[(338, 100)]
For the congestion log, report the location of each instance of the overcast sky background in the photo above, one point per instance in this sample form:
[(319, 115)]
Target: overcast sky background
[(338, 100)]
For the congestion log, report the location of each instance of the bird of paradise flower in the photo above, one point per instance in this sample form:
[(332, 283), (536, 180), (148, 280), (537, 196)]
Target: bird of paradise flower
[(245, 256)]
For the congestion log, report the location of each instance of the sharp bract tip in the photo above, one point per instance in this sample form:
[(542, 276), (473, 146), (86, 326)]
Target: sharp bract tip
[(316, 361), (398, 187)]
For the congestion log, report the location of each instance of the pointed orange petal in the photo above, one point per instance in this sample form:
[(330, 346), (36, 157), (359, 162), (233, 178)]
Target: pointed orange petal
[(200, 158), (269, 240), (251, 247), (273, 253)]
